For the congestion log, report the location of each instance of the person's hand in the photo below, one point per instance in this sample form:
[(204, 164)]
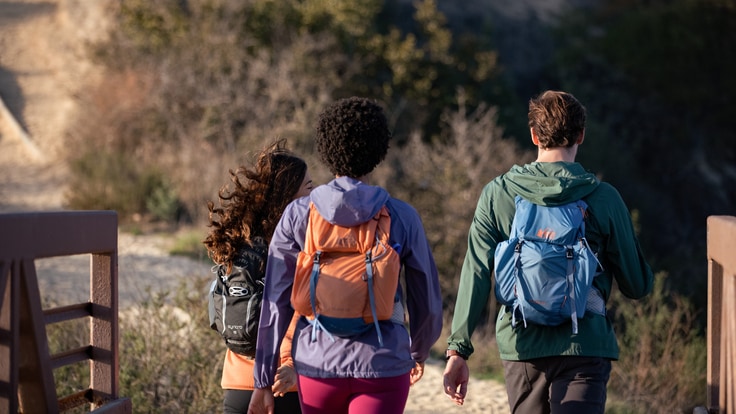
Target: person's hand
[(261, 402), (284, 380), (416, 373), (455, 379)]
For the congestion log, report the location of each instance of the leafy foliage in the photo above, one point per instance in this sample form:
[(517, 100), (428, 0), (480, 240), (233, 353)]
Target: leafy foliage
[(67, 336), (653, 80), (170, 359), (208, 80), (113, 181), (444, 180), (659, 343)]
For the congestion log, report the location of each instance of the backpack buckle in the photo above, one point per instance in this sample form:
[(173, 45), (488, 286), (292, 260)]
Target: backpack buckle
[(517, 248), (368, 266), (570, 254)]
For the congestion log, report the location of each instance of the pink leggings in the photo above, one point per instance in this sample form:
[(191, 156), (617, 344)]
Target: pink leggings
[(353, 395)]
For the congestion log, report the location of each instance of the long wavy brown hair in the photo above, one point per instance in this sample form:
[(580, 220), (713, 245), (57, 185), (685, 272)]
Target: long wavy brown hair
[(252, 207)]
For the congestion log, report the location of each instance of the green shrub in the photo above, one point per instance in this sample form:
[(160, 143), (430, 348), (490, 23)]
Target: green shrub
[(105, 180), (171, 361), (663, 357), (66, 336), (162, 202), (189, 244)]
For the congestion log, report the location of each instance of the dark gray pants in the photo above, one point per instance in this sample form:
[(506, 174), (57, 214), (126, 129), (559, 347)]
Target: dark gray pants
[(557, 385)]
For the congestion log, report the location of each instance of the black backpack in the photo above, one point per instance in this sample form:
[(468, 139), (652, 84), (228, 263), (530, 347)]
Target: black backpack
[(235, 299)]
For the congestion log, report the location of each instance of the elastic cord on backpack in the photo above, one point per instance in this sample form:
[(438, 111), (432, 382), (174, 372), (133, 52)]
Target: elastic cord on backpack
[(519, 292), (383, 251), (219, 270), (595, 255), (316, 324), (371, 295), (570, 255)]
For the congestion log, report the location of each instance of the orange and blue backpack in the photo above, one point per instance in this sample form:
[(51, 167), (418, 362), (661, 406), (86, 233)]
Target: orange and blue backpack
[(346, 277)]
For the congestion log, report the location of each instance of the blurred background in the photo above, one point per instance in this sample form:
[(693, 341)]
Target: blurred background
[(143, 106)]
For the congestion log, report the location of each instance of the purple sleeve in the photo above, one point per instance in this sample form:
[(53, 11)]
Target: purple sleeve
[(423, 298), (276, 310)]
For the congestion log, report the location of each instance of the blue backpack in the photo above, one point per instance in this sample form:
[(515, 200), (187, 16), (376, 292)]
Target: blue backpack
[(545, 271)]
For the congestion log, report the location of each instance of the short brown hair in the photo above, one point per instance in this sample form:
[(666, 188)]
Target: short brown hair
[(557, 118)]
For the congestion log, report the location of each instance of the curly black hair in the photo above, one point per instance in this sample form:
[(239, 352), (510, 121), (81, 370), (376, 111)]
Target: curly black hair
[(254, 206), (352, 136)]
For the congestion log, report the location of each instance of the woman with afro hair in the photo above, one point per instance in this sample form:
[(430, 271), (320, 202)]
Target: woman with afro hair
[(360, 373), (242, 227)]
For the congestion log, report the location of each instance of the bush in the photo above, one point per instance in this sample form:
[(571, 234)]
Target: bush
[(171, 361), (190, 86), (444, 179), (189, 244), (163, 203), (663, 358), (102, 180), (66, 336)]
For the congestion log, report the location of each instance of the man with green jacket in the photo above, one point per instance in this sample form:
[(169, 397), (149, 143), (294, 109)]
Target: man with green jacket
[(548, 369)]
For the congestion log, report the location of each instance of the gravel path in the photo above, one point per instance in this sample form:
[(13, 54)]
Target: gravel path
[(485, 396), (143, 263)]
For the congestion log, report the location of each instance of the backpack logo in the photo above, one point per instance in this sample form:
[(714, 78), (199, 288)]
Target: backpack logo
[(545, 271), (547, 234), (234, 301), (238, 291), (346, 277)]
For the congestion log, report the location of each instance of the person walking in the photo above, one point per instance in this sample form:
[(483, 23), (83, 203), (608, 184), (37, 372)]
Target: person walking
[(242, 227), (548, 369), (360, 373)]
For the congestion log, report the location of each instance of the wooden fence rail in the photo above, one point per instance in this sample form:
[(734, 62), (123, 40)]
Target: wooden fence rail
[(721, 373), (26, 366)]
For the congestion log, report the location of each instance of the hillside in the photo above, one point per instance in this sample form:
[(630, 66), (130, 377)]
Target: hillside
[(42, 68)]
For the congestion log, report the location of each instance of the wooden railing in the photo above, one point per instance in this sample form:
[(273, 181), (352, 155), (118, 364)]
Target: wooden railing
[(26, 366), (721, 372)]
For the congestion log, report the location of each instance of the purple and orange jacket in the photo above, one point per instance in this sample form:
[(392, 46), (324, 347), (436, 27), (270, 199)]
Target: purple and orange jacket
[(346, 202)]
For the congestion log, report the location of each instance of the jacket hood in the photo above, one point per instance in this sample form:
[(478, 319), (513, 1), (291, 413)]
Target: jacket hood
[(551, 183), (348, 202)]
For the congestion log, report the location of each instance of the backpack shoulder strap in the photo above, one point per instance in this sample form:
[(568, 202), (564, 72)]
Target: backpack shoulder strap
[(384, 223), (313, 220)]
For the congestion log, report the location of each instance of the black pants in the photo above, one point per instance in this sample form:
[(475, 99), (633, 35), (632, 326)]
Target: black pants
[(236, 402), (557, 385)]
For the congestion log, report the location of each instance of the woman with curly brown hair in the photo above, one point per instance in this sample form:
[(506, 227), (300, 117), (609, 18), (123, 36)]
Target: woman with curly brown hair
[(242, 227)]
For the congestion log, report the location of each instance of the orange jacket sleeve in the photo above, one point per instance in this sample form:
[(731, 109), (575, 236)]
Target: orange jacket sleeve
[(285, 351)]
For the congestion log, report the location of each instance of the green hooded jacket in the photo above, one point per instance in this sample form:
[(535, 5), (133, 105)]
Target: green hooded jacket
[(609, 231)]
